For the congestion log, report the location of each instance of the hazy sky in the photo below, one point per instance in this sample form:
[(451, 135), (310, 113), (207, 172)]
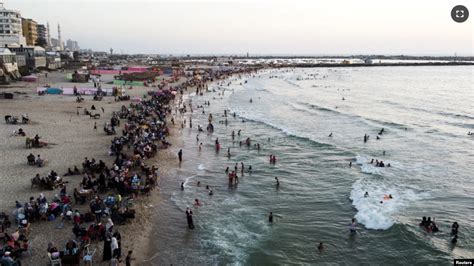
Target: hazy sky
[(416, 27)]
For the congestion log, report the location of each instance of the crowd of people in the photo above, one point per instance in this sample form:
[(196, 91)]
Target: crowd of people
[(109, 190)]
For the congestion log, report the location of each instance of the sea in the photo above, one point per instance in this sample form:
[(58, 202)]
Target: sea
[(314, 121)]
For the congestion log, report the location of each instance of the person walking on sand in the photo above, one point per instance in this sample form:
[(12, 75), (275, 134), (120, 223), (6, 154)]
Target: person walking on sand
[(180, 156)]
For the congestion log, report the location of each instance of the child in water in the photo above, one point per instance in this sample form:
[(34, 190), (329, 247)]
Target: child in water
[(353, 226)]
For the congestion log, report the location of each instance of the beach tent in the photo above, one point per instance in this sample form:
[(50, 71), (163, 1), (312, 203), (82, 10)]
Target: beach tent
[(53, 91)]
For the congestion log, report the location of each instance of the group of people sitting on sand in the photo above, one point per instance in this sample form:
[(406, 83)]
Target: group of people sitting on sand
[(32, 160), (127, 176)]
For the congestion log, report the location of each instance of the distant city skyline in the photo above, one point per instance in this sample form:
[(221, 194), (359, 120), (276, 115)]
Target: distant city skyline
[(336, 27)]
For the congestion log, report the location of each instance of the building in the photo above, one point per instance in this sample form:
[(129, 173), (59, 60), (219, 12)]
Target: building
[(53, 60), (34, 56), (55, 44), (42, 35), (8, 66), (72, 46), (30, 30), (11, 31)]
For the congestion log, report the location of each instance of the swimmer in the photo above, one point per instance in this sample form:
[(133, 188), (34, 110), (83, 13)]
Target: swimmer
[(182, 185), (353, 226), (366, 194), (227, 170), (277, 182), (211, 193), (250, 169), (330, 135), (199, 183), (320, 247), (350, 164), (270, 217), (197, 203)]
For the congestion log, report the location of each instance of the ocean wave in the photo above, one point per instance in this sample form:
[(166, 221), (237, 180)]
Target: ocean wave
[(455, 115), (291, 133), (329, 110), (381, 216)]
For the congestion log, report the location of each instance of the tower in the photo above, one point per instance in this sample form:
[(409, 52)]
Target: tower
[(48, 37), (61, 45)]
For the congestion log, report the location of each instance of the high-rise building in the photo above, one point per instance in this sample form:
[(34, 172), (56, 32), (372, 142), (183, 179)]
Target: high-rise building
[(30, 30), (42, 33), (72, 45), (10, 27)]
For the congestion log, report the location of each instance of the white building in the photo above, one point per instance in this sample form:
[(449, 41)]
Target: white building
[(10, 27)]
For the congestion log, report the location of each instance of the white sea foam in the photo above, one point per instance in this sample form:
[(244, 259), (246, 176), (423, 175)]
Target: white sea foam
[(373, 214), (201, 167)]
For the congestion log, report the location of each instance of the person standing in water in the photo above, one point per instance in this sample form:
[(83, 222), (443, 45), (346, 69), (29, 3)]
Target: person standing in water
[(320, 247), (189, 218), (182, 185), (353, 226), (277, 182), (180, 156), (270, 217)]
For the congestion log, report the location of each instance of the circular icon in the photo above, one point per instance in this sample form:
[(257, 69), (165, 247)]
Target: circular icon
[(459, 13)]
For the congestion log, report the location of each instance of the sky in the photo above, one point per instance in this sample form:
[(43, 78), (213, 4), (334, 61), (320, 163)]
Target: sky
[(290, 27)]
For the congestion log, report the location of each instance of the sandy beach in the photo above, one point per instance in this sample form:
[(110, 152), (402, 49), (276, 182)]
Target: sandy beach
[(70, 138)]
